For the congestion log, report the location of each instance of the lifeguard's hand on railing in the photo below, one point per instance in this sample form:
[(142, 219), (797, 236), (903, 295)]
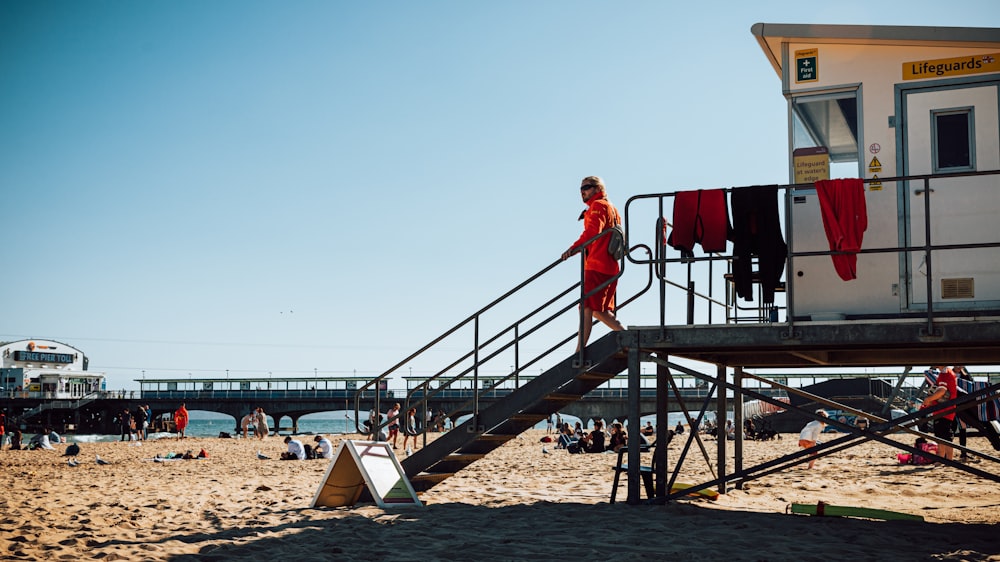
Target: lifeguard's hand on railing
[(570, 252)]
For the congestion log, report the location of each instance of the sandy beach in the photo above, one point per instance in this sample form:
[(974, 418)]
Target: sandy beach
[(518, 503)]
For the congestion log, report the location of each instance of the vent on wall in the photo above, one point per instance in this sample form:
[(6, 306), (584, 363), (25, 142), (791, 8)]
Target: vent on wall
[(964, 288)]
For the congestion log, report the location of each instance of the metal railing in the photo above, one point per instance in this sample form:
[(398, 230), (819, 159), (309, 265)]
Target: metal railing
[(506, 339), (659, 267), (689, 266)]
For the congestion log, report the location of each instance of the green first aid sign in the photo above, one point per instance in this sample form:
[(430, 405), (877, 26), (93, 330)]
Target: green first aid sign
[(806, 67)]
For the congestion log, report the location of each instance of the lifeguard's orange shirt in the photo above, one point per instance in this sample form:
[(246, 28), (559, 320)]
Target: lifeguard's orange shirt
[(600, 214)]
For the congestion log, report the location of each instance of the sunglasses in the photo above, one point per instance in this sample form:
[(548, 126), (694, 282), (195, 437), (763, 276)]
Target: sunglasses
[(586, 187)]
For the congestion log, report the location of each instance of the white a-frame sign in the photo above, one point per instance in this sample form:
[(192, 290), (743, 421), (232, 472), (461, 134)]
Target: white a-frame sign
[(358, 464)]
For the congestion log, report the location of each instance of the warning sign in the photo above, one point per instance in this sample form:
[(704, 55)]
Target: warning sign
[(875, 184), (811, 164), (360, 465), (874, 165)]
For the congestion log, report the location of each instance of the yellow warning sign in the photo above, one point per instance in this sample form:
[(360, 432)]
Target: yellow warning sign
[(874, 165), (811, 164), (875, 184)]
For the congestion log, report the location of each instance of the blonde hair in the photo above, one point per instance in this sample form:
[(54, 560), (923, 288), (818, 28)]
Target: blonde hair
[(595, 180)]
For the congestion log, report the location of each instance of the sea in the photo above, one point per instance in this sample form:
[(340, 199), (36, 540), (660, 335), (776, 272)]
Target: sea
[(209, 424)]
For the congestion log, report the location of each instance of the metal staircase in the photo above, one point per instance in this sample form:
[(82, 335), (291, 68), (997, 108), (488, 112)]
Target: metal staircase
[(492, 425), (509, 417)]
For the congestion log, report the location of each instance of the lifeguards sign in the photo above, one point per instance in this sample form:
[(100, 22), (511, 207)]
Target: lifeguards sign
[(958, 66)]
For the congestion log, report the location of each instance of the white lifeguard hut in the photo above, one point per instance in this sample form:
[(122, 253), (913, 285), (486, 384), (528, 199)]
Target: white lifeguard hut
[(884, 102)]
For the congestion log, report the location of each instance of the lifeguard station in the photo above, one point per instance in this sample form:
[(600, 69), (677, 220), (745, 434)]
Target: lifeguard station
[(897, 264)]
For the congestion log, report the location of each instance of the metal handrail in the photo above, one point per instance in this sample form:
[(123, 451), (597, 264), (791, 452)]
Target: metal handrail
[(660, 261), (479, 343)]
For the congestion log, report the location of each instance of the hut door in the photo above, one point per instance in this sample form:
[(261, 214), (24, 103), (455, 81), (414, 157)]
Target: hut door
[(952, 128)]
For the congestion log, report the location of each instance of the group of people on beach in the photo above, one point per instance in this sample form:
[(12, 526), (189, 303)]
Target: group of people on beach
[(406, 422), (134, 424), (257, 422), (298, 451), (575, 440), (944, 423)]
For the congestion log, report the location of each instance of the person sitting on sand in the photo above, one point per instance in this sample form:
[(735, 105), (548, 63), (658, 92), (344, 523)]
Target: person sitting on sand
[(809, 436), (15, 440), (594, 442), (566, 437), (296, 452), (324, 448), (619, 438), (649, 429), (40, 441)]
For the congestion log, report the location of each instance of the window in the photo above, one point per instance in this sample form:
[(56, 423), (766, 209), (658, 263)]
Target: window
[(952, 140), (830, 121)]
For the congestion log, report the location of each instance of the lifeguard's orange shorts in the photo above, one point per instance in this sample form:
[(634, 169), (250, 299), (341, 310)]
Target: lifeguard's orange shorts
[(604, 299)]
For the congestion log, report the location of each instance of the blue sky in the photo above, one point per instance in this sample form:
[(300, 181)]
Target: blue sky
[(285, 187)]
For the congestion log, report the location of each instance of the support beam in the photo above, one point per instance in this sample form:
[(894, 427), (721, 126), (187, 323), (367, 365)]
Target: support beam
[(662, 423), (720, 419), (634, 458), (738, 421)]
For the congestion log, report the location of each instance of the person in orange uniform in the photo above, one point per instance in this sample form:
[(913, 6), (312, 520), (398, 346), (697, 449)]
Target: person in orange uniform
[(181, 420), (599, 266)]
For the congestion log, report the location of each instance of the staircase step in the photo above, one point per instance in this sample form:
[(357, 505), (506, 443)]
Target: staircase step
[(593, 376), (562, 397), (501, 437), (508, 418), (431, 477), (527, 417), (464, 457)]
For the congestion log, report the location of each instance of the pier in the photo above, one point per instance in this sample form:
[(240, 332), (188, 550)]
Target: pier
[(287, 399)]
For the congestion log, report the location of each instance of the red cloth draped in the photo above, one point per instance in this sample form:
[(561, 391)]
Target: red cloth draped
[(845, 219)]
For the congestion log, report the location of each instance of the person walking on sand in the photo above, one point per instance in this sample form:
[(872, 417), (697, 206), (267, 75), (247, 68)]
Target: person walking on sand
[(261, 429), (393, 417), (809, 436), (181, 420), (410, 429), (599, 266)]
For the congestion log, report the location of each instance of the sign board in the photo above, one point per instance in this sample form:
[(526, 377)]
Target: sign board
[(958, 66), (361, 464), (811, 164), (807, 65)]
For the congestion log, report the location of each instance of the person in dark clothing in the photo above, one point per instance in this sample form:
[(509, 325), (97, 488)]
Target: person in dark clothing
[(125, 424), (594, 442)]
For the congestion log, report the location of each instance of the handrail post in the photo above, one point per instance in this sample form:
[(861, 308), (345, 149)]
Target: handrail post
[(517, 356), (475, 377), (581, 354), (690, 302), (927, 256)]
